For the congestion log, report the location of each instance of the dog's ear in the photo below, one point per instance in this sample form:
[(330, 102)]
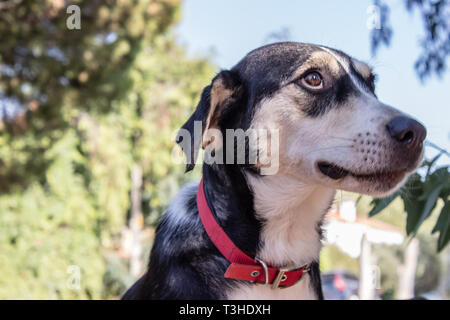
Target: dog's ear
[(223, 93)]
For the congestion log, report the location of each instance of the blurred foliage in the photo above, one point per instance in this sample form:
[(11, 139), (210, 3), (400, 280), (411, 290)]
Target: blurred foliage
[(390, 257), (435, 42), (428, 268), (394, 214), (116, 278), (420, 196), (332, 259), (90, 104)]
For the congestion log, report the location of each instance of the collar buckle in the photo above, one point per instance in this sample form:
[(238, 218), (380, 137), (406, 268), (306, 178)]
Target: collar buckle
[(266, 270), (282, 276)]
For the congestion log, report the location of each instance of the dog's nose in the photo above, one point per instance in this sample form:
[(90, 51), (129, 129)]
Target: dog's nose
[(406, 131)]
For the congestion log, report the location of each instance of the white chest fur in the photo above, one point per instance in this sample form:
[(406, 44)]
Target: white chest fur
[(291, 212)]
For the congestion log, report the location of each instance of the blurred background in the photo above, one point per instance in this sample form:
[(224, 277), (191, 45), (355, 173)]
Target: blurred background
[(91, 93)]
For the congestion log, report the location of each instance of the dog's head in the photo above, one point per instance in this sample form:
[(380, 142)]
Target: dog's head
[(332, 129)]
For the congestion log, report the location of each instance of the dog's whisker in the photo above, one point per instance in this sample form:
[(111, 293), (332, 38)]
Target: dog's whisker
[(327, 148), (342, 138)]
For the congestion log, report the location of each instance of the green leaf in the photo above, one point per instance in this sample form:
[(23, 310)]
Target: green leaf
[(445, 192), (439, 176), (443, 226), (442, 221), (413, 206), (381, 204), (429, 206), (359, 199), (426, 201), (432, 162)]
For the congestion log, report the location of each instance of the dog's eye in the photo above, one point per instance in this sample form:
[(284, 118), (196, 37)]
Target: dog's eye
[(313, 80)]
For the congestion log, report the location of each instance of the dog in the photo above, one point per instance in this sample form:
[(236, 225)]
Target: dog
[(240, 234)]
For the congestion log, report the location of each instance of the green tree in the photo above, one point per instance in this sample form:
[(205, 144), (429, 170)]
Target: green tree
[(423, 192), (435, 42), (88, 106)]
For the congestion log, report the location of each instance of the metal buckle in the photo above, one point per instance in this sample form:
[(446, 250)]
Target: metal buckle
[(281, 275), (266, 270)]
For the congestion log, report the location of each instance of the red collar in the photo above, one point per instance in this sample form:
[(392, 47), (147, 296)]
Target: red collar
[(242, 266)]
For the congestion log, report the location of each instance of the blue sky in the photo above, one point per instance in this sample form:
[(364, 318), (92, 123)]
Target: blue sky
[(227, 30)]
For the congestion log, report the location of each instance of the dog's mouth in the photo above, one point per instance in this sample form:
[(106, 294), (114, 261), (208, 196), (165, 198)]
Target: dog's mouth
[(336, 172), (332, 171)]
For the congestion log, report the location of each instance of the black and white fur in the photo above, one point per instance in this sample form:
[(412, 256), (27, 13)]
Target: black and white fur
[(340, 137)]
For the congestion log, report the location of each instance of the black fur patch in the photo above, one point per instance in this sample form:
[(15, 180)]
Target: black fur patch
[(333, 97), (184, 263), (367, 83)]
